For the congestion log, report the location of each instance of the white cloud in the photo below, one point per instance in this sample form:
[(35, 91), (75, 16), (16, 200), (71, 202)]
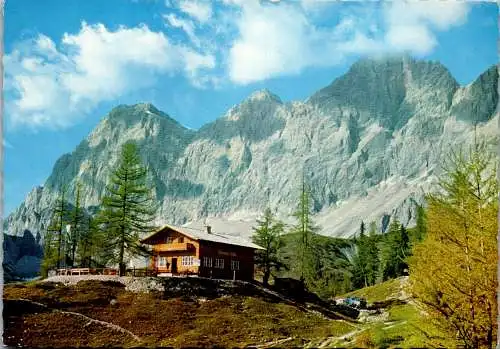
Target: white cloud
[(411, 25), (272, 41), (186, 25), (53, 88), (52, 84), (416, 38), (440, 14), (198, 9), (283, 40)]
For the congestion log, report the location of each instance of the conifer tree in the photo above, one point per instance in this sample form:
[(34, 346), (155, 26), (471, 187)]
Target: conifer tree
[(56, 230), (49, 252), (362, 229), (268, 235), (305, 229), (128, 208), (394, 252), (76, 222), (92, 243), (372, 251), (453, 271), (360, 277), (420, 229)]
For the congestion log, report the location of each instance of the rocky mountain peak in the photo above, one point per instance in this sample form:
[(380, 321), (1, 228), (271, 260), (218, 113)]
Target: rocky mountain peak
[(355, 139), (127, 115), (388, 90), (264, 95), (478, 101)]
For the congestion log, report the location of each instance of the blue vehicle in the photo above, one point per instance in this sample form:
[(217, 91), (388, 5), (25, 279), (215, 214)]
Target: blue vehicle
[(355, 302)]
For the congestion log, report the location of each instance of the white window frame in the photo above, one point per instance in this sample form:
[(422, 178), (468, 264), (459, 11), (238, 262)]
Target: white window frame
[(187, 261), (162, 259), (169, 240), (208, 262), (219, 263), (235, 265)]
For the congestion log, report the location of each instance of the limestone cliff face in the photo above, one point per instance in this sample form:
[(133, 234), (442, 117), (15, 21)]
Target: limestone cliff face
[(369, 144)]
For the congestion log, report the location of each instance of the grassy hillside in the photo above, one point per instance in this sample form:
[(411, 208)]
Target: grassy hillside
[(155, 318), (400, 323), (378, 293)]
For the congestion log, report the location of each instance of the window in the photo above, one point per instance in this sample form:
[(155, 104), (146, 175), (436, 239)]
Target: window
[(181, 239), (235, 265), (169, 240), (219, 263), (162, 261), (187, 261), (207, 262)]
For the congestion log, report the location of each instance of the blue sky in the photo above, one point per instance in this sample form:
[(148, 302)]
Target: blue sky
[(69, 62)]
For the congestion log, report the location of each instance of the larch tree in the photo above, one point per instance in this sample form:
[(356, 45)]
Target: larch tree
[(453, 272), (76, 222), (268, 235), (49, 260), (55, 232), (91, 242), (360, 277), (372, 251), (128, 209), (305, 230)]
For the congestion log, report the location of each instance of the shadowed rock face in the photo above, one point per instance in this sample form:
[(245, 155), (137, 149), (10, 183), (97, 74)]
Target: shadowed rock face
[(370, 141), (22, 256)]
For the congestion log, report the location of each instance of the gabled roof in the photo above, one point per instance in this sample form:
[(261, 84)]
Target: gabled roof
[(201, 235)]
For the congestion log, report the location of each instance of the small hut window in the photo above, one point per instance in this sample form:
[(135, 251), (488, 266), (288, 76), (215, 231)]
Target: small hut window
[(162, 261), (207, 262), (219, 263), (187, 261)]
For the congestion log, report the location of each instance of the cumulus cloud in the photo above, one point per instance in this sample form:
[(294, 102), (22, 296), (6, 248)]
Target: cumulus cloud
[(53, 87), (270, 42), (54, 83), (411, 25), (282, 40)]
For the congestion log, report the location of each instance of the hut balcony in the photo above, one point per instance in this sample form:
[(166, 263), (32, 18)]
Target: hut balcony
[(177, 246)]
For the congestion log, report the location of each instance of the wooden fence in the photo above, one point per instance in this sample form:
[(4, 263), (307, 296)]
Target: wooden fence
[(106, 271)]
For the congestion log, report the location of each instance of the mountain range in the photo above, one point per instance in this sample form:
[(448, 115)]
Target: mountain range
[(370, 145)]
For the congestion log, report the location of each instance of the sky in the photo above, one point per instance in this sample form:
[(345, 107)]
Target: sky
[(68, 63)]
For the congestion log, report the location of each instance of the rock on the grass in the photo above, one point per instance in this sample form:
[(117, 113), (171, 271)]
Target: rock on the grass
[(132, 284)]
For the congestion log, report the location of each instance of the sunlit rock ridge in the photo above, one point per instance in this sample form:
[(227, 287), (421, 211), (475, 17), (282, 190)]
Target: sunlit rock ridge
[(370, 145)]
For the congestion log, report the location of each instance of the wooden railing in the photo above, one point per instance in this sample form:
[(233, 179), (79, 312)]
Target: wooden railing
[(107, 271), (87, 271)]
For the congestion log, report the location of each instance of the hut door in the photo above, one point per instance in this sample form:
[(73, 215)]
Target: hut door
[(174, 265)]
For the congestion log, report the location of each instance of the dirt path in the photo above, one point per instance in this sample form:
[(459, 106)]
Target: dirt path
[(404, 296), (89, 319)]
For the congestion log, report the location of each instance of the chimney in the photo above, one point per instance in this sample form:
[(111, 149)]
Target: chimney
[(209, 229)]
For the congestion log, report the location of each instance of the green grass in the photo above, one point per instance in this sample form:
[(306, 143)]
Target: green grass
[(405, 328), (379, 292)]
